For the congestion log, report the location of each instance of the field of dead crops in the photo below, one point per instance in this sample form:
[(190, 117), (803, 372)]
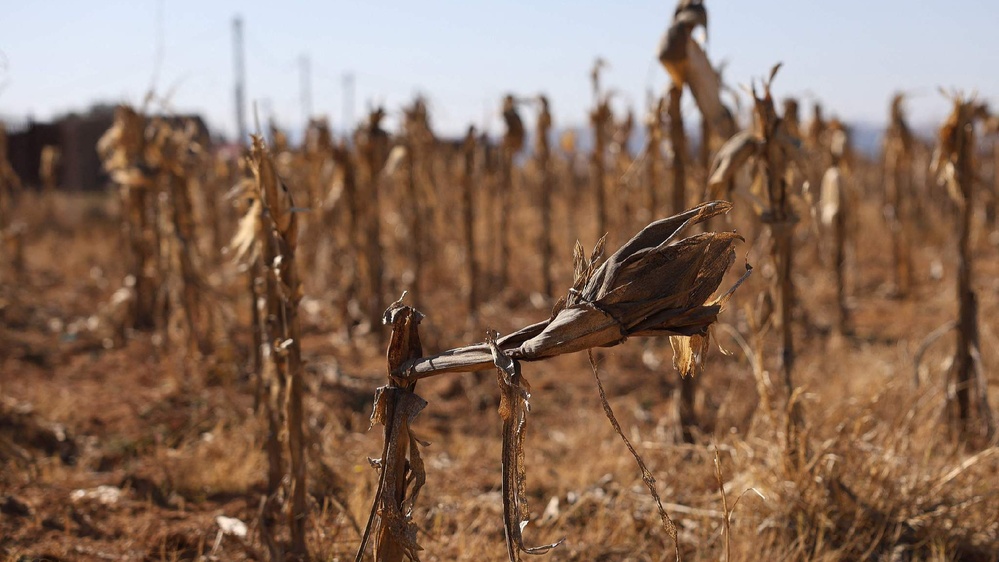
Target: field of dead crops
[(742, 340)]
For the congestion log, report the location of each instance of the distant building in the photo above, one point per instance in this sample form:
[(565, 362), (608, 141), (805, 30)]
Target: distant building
[(76, 136)]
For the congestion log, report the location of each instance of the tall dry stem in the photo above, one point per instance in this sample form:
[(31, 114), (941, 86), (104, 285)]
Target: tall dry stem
[(373, 148), (897, 153), (468, 149), (542, 155), (955, 167), (513, 142), (269, 235)]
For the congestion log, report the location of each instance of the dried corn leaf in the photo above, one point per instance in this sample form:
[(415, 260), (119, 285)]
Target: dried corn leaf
[(275, 195), (394, 497), (401, 466), (514, 406), (244, 242), (673, 46), (831, 196), (688, 353), (654, 285), (705, 84), (731, 157)]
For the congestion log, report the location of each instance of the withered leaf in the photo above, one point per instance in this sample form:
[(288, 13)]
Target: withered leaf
[(656, 284)]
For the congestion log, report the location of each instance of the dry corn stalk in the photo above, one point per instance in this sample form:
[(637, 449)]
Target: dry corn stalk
[(773, 151), (418, 141), (401, 472), (687, 65), (955, 168), (122, 150), (687, 394), (646, 288), (684, 60), (345, 184), (269, 235), (673, 55), (10, 182), (601, 118), (678, 140), (513, 143), (653, 151), (373, 147), (314, 176), (834, 205), (468, 149), (542, 154), (11, 239), (673, 48), (657, 284), (172, 153), (897, 150), (48, 173), (816, 135)]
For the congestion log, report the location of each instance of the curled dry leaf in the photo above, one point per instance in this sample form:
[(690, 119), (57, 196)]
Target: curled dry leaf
[(275, 195), (688, 16), (401, 466), (515, 394), (731, 157), (656, 284), (706, 86)]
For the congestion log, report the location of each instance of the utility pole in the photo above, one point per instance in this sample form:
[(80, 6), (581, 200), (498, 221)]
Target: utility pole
[(240, 77), (348, 102), (305, 85)]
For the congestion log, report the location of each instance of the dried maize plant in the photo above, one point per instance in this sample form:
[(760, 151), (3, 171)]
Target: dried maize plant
[(992, 199), (205, 189), (173, 151), (220, 173), (954, 167), (816, 134), (9, 181), (772, 151), (688, 65), (623, 164), (419, 143), (269, 235), (619, 141), (835, 208), (601, 119), (347, 252), (790, 117), (315, 179), (657, 284), (11, 238), (245, 250), (674, 52), (122, 151), (317, 148), (673, 55), (542, 155), (896, 154), (513, 143), (468, 153), (372, 143), (816, 140), (653, 152), (48, 173)]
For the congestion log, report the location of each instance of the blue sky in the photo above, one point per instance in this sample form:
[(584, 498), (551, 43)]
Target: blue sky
[(57, 55)]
